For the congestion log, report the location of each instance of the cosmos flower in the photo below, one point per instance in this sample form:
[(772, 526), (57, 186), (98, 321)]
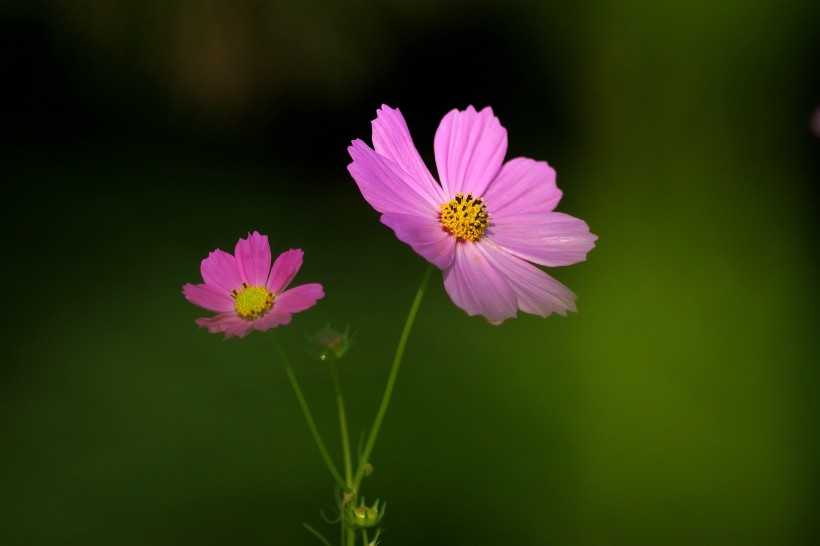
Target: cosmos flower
[(486, 220), (246, 292)]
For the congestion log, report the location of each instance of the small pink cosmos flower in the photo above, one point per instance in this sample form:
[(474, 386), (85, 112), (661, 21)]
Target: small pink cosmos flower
[(486, 220), (815, 122), (246, 292)]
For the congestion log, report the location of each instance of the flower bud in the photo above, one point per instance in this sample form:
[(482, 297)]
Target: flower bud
[(329, 342), (363, 517)]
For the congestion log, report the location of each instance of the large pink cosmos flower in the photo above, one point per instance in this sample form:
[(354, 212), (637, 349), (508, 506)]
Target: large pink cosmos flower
[(484, 222), (246, 292)]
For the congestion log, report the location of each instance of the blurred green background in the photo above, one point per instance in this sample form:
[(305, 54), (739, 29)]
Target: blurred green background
[(677, 407)]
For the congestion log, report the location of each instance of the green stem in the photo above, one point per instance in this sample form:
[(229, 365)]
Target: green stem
[(308, 417), (317, 534), (391, 381), (340, 403)]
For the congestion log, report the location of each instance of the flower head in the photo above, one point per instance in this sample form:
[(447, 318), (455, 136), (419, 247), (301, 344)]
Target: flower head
[(247, 292), (363, 516), (485, 222), (329, 343)]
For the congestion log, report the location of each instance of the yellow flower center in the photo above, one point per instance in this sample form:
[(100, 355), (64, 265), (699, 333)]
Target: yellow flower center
[(465, 217), (253, 301)]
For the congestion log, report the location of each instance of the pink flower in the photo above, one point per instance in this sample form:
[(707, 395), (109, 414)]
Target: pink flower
[(486, 220), (246, 292)]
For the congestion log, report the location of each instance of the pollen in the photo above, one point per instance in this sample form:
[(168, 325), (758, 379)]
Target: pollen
[(465, 217), (252, 301)]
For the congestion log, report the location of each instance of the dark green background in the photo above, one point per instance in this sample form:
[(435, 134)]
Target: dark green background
[(677, 407)]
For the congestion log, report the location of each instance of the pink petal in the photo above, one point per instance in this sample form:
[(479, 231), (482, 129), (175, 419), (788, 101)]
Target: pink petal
[(289, 302), (391, 139), (222, 323), (253, 259), (298, 298), (537, 292), (272, 319), (219, 270), (208, 297), (552, 239), (469, 148), (477, 287), (523, 185), (385, 185), (284, 269), (240, 329), (425, 235)]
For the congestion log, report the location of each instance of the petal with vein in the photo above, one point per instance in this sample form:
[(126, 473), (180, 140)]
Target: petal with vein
[(208, 297), (469, 148), (425, 235), (537, 292), (552, 239), (384, 185), (219, 269), (391, 139), (220, 322), (523, 185), (284, 269), (253, 258), (477, 287), (289, 302)]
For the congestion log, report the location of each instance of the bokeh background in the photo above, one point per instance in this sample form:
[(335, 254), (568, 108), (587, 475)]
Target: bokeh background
[(679, 406)]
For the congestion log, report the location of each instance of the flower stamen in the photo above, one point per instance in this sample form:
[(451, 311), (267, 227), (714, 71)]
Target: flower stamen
[(252, 301), (465, 217)]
